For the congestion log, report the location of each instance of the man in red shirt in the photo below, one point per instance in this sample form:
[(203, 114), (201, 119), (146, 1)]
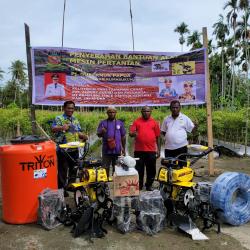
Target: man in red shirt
[(146, 132)]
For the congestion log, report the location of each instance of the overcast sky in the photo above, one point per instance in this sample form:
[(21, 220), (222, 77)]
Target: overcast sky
[(100, 24)]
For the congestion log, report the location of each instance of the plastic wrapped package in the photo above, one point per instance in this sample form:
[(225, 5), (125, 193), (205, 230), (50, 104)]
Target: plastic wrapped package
[(124, 210), (151, 223), (151, 201), (51, 203), (152, 216)]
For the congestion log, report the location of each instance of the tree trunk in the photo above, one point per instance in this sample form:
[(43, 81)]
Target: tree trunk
[(15, 92), (247, 86), (233, 69), (222, 78)]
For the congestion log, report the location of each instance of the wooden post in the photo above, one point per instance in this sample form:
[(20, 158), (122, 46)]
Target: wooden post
[(28, 53), (209, 108)]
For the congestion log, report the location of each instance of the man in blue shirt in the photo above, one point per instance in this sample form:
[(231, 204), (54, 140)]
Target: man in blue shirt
[(113, 136), (66, 128)]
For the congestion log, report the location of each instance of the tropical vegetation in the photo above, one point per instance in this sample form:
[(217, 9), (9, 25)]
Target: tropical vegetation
[(227, 125), (229, 57), (228, 54)]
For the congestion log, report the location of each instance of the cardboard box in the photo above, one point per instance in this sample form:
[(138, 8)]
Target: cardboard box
[(126, 183)]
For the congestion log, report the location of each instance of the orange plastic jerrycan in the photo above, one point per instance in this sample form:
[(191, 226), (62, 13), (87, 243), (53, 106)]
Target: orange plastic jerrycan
[(28, 166)]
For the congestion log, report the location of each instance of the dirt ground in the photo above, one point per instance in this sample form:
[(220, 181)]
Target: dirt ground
[(33, 237)]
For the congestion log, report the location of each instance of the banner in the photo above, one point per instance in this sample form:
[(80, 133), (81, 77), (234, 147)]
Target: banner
[(121, 78)]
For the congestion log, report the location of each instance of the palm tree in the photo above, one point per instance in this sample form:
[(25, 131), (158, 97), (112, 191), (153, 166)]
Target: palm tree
[(243, 29), (1, 89), (210, 47), (232, 14), (232, 18), (242, 34), (221, 31), (19, 76), (8, 93), (228, 55), (1, 74), (182, 29), (244, 6), (194, 40)]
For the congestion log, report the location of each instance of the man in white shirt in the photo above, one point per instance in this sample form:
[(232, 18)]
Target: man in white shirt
[(55, 88), (175, 128)]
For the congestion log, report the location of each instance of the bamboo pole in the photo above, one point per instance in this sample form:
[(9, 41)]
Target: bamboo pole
[(28, 52), (209, 109), (132, 26), (64, 7)]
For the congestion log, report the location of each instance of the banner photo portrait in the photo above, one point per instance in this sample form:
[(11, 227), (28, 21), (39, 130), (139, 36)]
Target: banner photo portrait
[(121, 78)]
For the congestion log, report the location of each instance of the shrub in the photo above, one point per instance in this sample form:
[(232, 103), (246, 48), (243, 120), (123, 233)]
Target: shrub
[(223, 121)]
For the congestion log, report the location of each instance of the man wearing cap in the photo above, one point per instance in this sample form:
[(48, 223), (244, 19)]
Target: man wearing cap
[(146, 132), (55, 88), (113, 134)]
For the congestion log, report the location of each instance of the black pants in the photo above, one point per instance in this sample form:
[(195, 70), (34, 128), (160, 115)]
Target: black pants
[(109, 160), (176, 152), (147, 159), (66, 161)]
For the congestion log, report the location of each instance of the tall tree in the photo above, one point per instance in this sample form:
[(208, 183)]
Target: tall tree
[(232, 5), (8, 93), (19, 76), (1, 89), (229, 59), (244, 6), (194, 40), (210, 47), (221, 31), (243, 31), (243, 34), (1, 74), (182, 29)]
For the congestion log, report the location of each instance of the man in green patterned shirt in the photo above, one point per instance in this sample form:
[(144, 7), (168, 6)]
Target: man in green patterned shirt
[(67, 128)]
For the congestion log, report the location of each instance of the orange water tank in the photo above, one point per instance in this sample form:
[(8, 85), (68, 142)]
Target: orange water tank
[(28, 166)]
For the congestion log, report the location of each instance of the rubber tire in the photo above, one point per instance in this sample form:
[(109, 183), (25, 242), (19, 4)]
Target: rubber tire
[(82, 200), (102, 189), (230, 196)]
